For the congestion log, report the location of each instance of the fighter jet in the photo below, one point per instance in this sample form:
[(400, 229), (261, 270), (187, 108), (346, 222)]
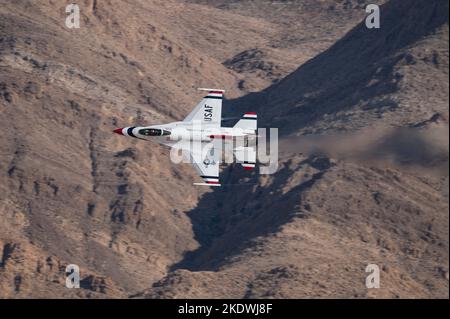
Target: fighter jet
[(201, 137)]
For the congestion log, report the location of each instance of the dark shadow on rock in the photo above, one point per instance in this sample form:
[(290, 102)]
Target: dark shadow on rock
[(358, 69), (228, 219)]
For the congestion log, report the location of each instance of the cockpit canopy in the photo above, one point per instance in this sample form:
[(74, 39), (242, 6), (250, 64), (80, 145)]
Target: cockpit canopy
[(153, 132)]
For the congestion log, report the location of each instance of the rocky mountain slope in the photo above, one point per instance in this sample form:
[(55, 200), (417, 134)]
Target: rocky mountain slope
[(396, 75), (72, 192), (295, 32), (374, 195)]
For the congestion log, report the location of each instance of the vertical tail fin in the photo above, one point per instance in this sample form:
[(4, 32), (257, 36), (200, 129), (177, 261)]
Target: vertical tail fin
[(248, 121)]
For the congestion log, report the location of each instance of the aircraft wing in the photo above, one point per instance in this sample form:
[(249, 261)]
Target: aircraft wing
[(204, 158), (209, 110), (206, 163)]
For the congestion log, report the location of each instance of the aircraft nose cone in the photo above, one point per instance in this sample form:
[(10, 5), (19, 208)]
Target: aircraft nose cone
[(118, 131)]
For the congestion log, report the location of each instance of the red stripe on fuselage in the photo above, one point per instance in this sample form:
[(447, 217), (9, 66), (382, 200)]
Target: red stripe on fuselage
[(215, 92), (221, 136)]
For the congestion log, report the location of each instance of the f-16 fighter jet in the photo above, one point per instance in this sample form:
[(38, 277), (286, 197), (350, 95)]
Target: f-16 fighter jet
[(201, 137)]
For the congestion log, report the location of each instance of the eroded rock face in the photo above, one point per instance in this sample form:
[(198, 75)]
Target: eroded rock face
[(71, 192)]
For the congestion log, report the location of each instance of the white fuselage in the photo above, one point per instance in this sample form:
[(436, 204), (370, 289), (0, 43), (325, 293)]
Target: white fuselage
[(171, 133), (202, 140)]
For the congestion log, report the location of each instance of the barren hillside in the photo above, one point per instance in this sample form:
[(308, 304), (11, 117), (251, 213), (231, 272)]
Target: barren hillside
[(376, 194), (73, 192)]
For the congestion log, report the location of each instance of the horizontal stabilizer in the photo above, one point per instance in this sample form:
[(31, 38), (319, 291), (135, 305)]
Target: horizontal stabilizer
[(248, 121), (246, 156)]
